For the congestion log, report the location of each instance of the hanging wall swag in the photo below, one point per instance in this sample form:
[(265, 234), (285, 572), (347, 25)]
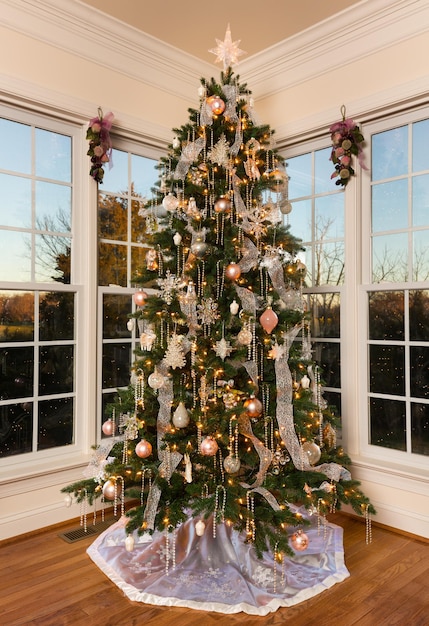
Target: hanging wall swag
[(100, 144), (347, 141)]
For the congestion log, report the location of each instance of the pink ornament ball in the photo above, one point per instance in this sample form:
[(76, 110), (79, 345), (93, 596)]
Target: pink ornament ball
[(109, 490), (269, 320), (216, 104), (253, 406), (109, 427), (143, 449), (299, 541), (233, 271), (209, 446), (140, 297), (222, 205)]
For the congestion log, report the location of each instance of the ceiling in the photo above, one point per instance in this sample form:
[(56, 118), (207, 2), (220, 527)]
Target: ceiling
[(193, 27)]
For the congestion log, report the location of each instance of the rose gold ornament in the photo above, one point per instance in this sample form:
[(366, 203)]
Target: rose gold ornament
[(233, 271), (199, 248), (209, 446), (299, 541), (253, 406), (269, 320), (140, 297), (143, 449), (109, 427), (222, 205), (109, 490), (244, 337), (216, 104)]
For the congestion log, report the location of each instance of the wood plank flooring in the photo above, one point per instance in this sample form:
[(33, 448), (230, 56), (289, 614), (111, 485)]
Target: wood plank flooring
[(48, 582)]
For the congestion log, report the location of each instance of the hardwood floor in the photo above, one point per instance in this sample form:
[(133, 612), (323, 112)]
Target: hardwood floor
[(48, 582)]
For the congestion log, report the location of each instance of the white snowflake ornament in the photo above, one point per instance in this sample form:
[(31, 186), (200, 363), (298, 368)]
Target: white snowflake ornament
[(223, 348)]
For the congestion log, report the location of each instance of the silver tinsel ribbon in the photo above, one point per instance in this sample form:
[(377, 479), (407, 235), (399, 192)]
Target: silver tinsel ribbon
[(231, 92), (248, 300), (169, 460), (189, 154), (264, 454), (284, 415), (250, 256)]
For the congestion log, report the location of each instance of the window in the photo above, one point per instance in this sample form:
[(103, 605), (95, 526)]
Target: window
[(317, 218), (37, 296), (122, 226), (397, 295)]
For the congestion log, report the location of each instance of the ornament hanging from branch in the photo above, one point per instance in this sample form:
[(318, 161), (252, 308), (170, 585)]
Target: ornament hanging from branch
[(347, 141), (100, 144)]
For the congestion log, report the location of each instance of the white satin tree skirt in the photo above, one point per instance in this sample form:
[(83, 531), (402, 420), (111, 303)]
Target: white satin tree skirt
[(220, 574)]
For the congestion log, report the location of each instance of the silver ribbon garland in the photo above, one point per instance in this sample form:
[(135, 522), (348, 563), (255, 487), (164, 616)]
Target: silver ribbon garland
[(230, 92), (264, 454), (189, 154), (250, 256), (284, 416), (247, 299), (169, 460)]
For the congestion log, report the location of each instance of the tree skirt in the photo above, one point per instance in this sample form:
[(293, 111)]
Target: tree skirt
[(220, 574)]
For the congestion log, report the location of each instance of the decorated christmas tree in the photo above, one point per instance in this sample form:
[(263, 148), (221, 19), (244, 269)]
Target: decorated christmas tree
[(224, 424)]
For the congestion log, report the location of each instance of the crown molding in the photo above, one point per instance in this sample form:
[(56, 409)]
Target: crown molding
[(352, 34)]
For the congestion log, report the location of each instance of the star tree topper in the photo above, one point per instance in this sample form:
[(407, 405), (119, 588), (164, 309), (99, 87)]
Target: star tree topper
[(227, 51)]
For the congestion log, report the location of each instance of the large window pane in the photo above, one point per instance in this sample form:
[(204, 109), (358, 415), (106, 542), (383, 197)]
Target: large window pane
[(419, 371), (112, 265), (300, 220), (329, 217), (329, 264), (53, 259), (16, 316), (419, 315), (56, 369), (325, 309), (17, 369), (16, 428), (390, 153), (387, 369), (15, 146), (299, 170), (53, 207), (16, 256), (390, 206), (15, 201), (53, 155), (56, 315), (323, 169), (421, 200), (327, 356), (143, 175), (420, 255), (420, 428), (420, 146), (390, 258), (115, 178), (386, 315), (56, 426), (116, 365), (116, 310), (112, 217), (387, 423)]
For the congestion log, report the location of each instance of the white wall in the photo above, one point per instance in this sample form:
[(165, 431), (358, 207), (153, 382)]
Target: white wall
[(49, 54)]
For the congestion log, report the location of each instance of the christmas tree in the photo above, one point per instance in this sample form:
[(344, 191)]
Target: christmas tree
[(224, 421)]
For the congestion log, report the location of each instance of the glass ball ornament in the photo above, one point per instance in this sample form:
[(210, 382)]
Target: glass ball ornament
[(200, 528), (216, 104), (155, 380), (233, 271), (299, 541), (109, 490), (143, 449), (269, 320), (285, 207), (140, 297), (253, 406), (231, 464), (244, 337), (222, 205), (209, 446), (109, 427), (311, 452), (170, 202), (199, 248), (181, 416)]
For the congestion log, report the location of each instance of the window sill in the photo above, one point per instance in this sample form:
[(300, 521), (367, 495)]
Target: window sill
[(391, 474)]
